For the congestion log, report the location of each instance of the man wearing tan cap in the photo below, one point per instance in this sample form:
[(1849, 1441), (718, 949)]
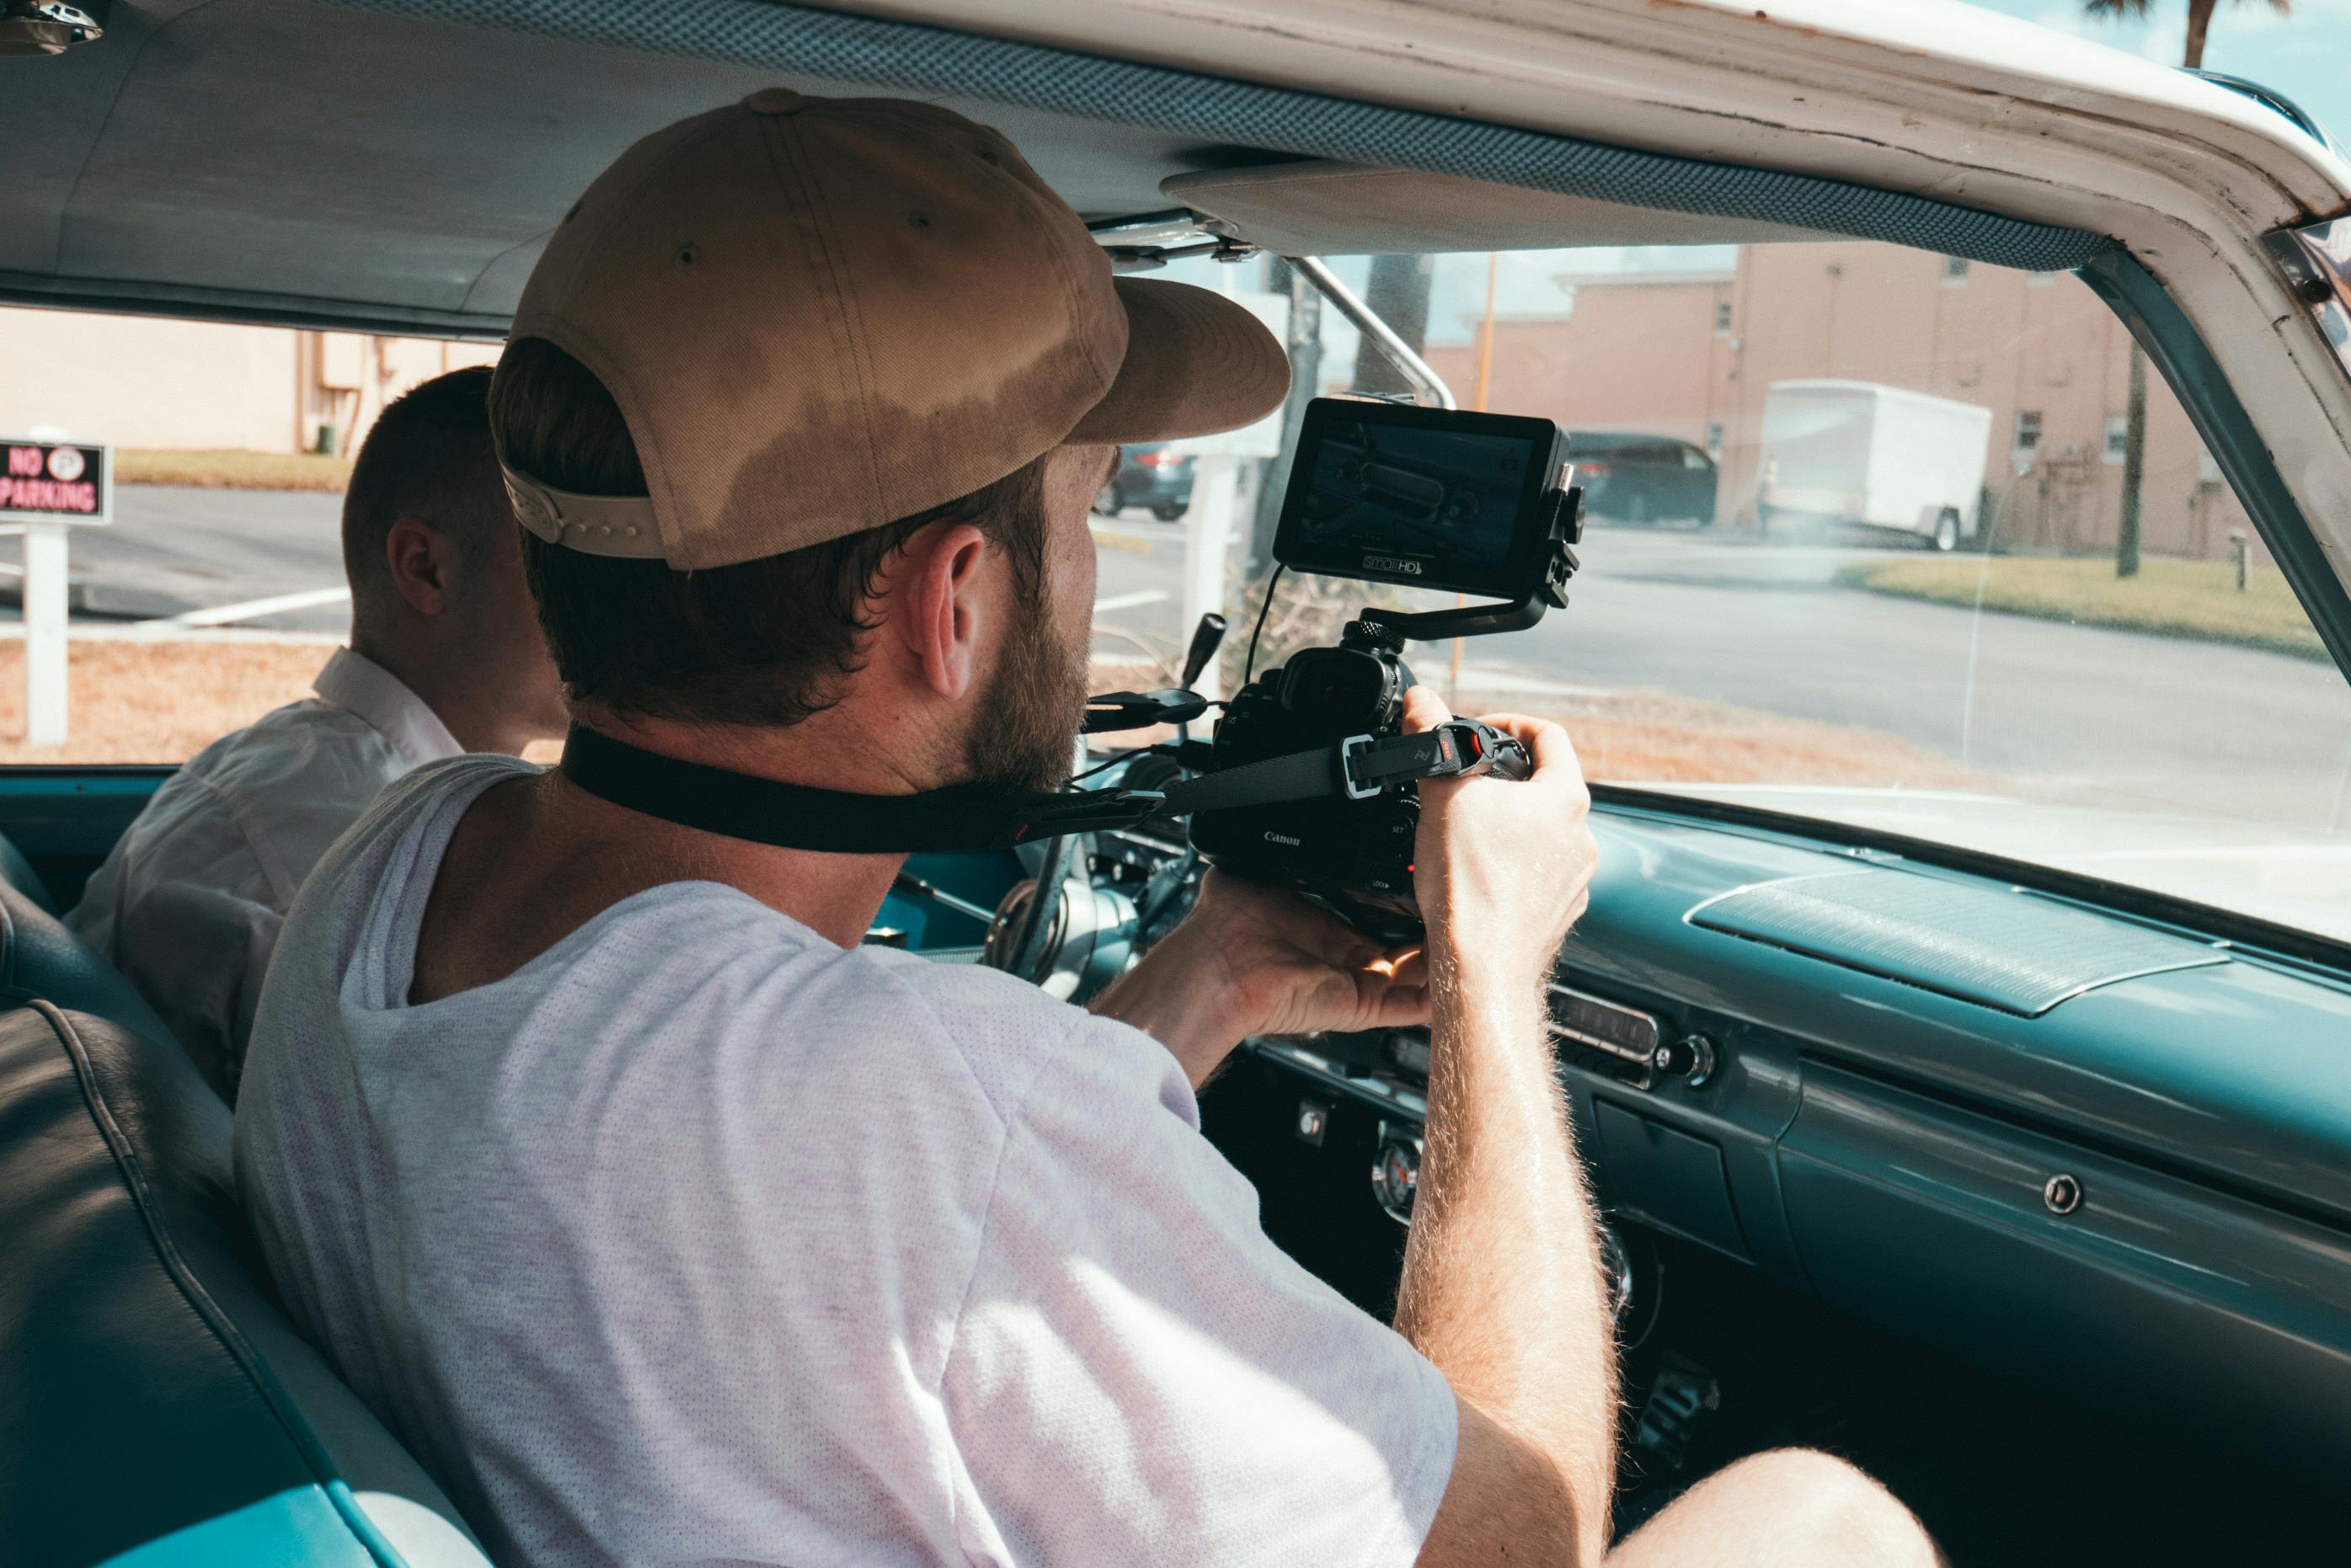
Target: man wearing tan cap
[(668, 1223)]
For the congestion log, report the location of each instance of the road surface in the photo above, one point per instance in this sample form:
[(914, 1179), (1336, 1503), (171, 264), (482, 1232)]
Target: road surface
[(2063, 711), (2105, 717)]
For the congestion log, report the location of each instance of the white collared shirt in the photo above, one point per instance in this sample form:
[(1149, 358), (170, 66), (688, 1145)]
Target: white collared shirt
[(189, 904)]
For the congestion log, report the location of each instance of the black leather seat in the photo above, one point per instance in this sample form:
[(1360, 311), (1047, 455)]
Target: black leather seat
[(39, 955), (152, 1394), (17, 872)]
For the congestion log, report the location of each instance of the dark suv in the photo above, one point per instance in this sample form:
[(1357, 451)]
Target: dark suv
[(1158, 477), (1633, 478)]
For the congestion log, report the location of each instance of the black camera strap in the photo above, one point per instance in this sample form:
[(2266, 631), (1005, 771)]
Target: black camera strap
[(980, 817), (1357, 768), (801, 817)]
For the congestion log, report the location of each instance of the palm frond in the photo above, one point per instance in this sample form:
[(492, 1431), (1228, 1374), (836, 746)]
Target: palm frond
[(2133, 8)]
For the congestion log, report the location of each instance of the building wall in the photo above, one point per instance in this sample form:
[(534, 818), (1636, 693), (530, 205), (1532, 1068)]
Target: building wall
[(134, 381), (149, 381), (1651, 355)]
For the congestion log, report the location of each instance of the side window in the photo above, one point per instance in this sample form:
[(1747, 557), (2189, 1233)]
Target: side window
[(229, 446)]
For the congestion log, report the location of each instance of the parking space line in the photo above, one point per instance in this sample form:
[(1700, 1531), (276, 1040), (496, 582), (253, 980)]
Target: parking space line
[(252, 609)]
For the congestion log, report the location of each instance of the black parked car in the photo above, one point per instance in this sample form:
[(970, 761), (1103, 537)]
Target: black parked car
[(1157, 476), (1633, 478)]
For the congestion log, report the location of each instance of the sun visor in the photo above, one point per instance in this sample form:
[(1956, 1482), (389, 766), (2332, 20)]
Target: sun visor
[(1323, 208)]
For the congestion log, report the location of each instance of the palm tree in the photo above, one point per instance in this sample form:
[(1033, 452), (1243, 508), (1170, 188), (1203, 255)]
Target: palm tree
[(2199, 21)]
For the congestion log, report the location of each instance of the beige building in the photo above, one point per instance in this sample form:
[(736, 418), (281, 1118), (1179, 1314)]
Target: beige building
[(1692, 355), (142, 381)]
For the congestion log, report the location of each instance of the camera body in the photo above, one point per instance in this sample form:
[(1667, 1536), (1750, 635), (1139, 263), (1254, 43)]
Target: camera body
[(1353, 854), (1431, 498)]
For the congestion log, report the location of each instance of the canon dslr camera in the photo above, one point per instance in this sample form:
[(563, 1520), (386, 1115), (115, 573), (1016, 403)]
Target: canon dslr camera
[(1467, 503)]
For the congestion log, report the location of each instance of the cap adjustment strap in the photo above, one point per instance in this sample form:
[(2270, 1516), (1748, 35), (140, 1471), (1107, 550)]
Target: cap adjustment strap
[(621, 525)]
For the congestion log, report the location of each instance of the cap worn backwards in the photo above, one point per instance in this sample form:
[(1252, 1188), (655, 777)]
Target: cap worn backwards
[(818, 315)]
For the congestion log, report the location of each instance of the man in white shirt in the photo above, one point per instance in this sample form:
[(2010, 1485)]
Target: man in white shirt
[(666, 1222), (446, 657)]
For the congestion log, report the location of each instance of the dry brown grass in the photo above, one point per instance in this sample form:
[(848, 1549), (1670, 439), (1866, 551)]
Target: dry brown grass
[(232, 470), (154, 701), (1642, 737)]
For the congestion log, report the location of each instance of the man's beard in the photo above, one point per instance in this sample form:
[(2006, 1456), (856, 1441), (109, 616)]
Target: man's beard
[(1023, 732)]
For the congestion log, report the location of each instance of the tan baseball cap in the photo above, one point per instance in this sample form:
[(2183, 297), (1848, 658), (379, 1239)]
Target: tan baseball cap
[(818, 315)]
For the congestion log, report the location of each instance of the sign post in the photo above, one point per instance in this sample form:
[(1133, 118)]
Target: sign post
[(45, 488)]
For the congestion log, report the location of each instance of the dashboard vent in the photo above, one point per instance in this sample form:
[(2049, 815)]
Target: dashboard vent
[(1992, 946)]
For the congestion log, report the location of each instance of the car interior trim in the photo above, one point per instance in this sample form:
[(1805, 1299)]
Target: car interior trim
[(916, 57), (2161, 911), (1995, 947), (240, 307)]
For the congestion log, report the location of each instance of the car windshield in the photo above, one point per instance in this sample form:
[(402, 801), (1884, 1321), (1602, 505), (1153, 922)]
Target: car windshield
[(1857, 549), (1879, 536)]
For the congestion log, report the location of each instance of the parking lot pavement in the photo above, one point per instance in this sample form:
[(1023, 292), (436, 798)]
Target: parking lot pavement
[(2060, 711), (172, 551)]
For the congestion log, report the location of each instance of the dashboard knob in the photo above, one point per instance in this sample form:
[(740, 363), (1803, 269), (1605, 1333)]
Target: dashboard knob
[(1616, 1270), (1396, 1171), (1690, 1058)]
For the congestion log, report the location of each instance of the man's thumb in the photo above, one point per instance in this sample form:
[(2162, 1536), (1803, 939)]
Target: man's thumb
[(1424, 710)]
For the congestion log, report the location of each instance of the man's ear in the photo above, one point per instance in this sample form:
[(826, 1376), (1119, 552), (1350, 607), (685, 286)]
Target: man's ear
[(935, 607), (424, 564)]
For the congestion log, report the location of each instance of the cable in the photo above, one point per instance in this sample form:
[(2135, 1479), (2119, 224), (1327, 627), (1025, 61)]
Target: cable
[(1249, 669), (1112, 760)]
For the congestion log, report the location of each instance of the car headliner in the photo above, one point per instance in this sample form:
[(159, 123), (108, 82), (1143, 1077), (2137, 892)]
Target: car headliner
[(317, 165)]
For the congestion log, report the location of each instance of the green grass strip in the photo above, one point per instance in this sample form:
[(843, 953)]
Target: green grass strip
[(2195, 600)]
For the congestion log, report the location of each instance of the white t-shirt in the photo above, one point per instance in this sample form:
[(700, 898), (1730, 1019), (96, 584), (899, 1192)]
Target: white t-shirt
[(701, 1239), (188, 903)]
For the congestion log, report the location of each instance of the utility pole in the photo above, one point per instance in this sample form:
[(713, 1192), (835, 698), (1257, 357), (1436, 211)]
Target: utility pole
[(1305, 345), (1398, 294), (2134, 466)]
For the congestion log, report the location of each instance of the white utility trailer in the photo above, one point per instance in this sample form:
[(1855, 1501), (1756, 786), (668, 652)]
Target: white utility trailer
[(1862, 454)]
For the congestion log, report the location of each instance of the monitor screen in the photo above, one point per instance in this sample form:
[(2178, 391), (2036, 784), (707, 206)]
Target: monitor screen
[(1432, 497)]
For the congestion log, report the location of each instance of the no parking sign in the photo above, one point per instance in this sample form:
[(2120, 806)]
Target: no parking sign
[(44, 485), (55, 481)]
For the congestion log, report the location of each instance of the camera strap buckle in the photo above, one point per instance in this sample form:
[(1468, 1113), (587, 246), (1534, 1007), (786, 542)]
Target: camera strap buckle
[(1349, 750)]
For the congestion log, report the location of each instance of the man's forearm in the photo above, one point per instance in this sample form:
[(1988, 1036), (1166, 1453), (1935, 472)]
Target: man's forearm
[(1502, 1284), (1166, 997)]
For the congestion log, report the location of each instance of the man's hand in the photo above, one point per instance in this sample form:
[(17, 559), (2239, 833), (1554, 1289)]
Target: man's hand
[(1504, 866), (1502, 1284), (1252, 959)]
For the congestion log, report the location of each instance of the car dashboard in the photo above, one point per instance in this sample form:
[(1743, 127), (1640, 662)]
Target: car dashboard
[(2099, 1156)]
